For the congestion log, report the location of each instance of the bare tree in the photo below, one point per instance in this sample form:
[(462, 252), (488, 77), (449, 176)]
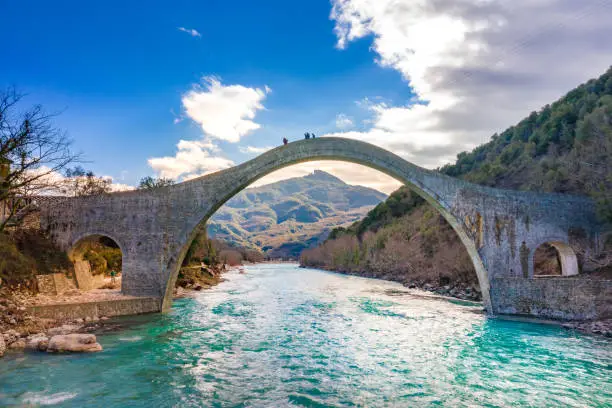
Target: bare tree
[(150, 183), (80, 182), (33, 154)]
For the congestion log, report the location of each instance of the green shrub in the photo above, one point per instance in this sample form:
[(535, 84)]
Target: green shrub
[(97, 262), (113, 258)]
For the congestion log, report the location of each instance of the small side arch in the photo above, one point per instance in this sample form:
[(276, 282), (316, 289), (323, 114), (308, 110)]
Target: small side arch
[(84, 276), (567, 258)]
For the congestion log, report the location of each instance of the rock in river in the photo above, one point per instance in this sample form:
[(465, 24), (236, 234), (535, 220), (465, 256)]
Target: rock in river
[(74, 342)]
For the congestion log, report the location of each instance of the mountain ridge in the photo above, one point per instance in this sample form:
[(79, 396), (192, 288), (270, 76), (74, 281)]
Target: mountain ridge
[(287, 216)]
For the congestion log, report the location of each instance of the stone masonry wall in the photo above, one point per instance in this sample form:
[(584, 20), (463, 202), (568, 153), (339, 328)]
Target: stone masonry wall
[(499, 228), (553, 297), (109, 308)]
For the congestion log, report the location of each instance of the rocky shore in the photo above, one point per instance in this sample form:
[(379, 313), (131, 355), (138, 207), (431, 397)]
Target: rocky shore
[(22, 332), (198, 277), (459, 291), (599, 327)]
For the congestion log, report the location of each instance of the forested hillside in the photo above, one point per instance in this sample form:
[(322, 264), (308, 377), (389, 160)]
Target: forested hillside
[(565, 147)]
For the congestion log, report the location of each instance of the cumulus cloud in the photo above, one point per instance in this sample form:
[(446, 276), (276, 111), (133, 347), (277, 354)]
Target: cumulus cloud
[(348, 172), (254, 149), (343, 121), (54, 183), (192, 159), (192, 32), (224, 112), (477, 66)]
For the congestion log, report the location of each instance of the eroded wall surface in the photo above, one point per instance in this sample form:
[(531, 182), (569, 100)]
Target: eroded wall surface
[(553, 297)]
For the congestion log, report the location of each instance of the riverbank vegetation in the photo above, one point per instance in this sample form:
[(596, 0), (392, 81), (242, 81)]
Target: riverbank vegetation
[(206, 259), (402, 239), (565, 147)]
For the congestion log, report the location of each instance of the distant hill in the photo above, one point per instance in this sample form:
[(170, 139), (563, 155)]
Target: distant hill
[(288, 216)]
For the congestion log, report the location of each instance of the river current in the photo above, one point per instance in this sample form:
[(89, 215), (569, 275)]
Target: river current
[(281, 336)]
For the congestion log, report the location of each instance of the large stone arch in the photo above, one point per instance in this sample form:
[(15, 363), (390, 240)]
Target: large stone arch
[(438, 190), (498, 228)]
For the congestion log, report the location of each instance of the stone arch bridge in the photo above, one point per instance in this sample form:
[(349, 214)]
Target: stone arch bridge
[(500, 229)]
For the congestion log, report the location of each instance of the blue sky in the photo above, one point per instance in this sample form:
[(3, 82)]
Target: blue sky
[(119, 74)]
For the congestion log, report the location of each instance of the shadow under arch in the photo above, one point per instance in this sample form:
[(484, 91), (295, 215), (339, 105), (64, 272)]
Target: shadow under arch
[(76, 254), (568, 260), (416, 178)]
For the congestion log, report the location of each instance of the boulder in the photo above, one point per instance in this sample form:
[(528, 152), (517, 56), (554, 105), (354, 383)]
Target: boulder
[(2, 346), (74, 342), (17, 345), (10, 336), (37, 342)]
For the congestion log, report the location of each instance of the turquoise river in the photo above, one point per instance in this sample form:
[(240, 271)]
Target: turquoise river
[(281, 336)]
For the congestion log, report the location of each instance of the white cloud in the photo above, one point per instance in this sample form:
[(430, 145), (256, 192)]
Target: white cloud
[(224, 112), (481, 65), (255, 150), (193, 159), (55, 183), (350, 173), (343, 121), (192, 32), (115, 187)]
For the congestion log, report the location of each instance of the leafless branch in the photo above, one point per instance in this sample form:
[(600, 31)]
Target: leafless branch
[(36, 151)]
